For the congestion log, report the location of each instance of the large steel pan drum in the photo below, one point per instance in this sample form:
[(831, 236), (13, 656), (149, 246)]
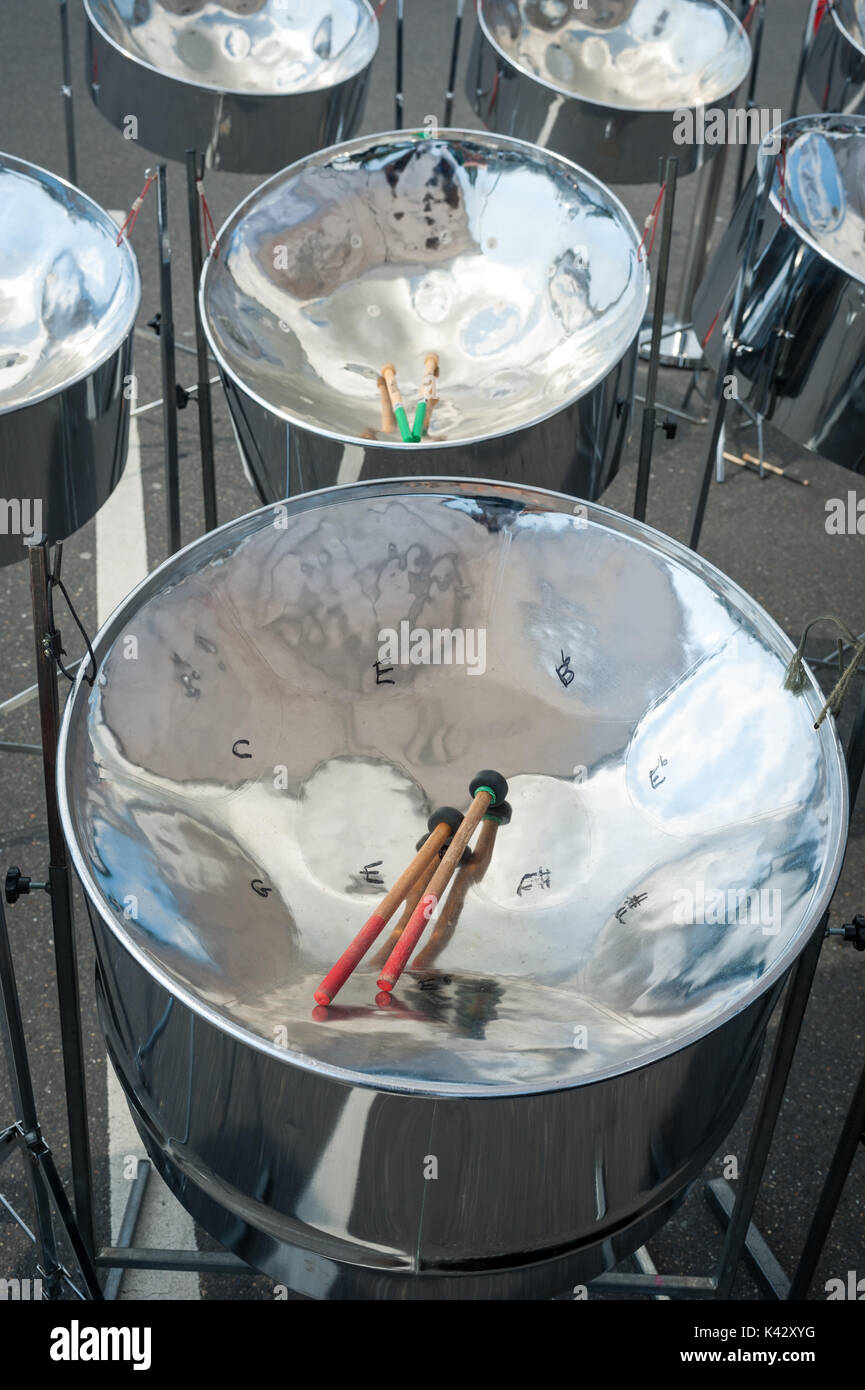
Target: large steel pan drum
[(69, 297), (835, 65), (801, 360), (581, 1037), (249, 84), (518, 270), (606, 82)]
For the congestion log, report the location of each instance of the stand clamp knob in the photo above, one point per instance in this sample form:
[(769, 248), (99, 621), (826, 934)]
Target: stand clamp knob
[(17, 884), (854, 932)]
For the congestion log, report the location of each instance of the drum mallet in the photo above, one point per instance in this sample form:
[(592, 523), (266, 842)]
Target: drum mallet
[(488, 789), (470, 874), (429, 396), (443, 823), (388, 372), (412, 899)]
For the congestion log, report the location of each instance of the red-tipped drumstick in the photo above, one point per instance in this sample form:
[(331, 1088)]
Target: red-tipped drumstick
[(487, 789), (444, 820)]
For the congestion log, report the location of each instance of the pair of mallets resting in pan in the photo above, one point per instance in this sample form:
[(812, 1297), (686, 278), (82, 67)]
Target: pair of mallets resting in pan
[(392, 409), (447, 841)]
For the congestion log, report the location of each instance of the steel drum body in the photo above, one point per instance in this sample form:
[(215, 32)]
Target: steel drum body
[(537, 346), (71, 297), (802, 365), (835, 66), (252, 129), (302, 1139), (613, 116)]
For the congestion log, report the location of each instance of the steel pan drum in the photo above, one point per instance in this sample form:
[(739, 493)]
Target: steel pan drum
[(518, 269), (835, 68), (602, 82), (541, 1092), (69, 298), (802, 358), (250, 84)]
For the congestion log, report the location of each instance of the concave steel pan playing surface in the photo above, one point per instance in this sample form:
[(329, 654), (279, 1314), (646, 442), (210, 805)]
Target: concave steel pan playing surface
[(249, 84), (578, 1040), (69, 297), (604, 82), (521, 272), (801, 362)]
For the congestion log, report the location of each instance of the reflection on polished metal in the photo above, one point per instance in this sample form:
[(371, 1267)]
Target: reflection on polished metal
[(70, 296), (519, 270), (602, 82), (835, 61), (252, 84), (584, 1034), (800, 362)]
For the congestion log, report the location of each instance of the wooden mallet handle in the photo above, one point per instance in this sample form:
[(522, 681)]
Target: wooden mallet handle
[(399, 956), (354, 953)]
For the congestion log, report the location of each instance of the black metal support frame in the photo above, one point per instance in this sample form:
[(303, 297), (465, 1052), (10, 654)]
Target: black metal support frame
[(169, 368), (66, 93), (203, 401), (647, 436)]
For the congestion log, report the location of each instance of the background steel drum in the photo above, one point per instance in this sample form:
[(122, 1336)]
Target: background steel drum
[(518, 269), (802, 363), (601, 82), (69, 297), (581, 1038), (835, 69), (249, 84)]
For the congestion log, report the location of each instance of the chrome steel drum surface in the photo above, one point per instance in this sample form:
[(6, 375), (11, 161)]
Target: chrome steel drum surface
[(802, 363), (602, 81), (520, 271), (580, 1038), (835, 68), (69, 297), (251, 84)]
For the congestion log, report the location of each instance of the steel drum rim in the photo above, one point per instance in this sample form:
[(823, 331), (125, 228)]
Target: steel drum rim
[(216, 90), (125, 248), (814, 121), (637, 531), (602, 105), (857, 43), (363, 142)]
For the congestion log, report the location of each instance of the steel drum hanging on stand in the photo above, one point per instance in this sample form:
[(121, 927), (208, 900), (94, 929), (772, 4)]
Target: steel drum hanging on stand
[(70, 296), (801, 361), (250, 84), (835, 63), (601, 83), (577, 1046), (519, 271)]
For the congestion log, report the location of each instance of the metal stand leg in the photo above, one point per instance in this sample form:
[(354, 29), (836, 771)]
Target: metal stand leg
[(851, 1136), (399, 94), (807, 41), (60, 888), (455, 54), (66, 89), (44, 1180), (731, 343), (766, 1119), (757, 51), (680, 346), (169, 371), (205, 412), (647, 437)]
